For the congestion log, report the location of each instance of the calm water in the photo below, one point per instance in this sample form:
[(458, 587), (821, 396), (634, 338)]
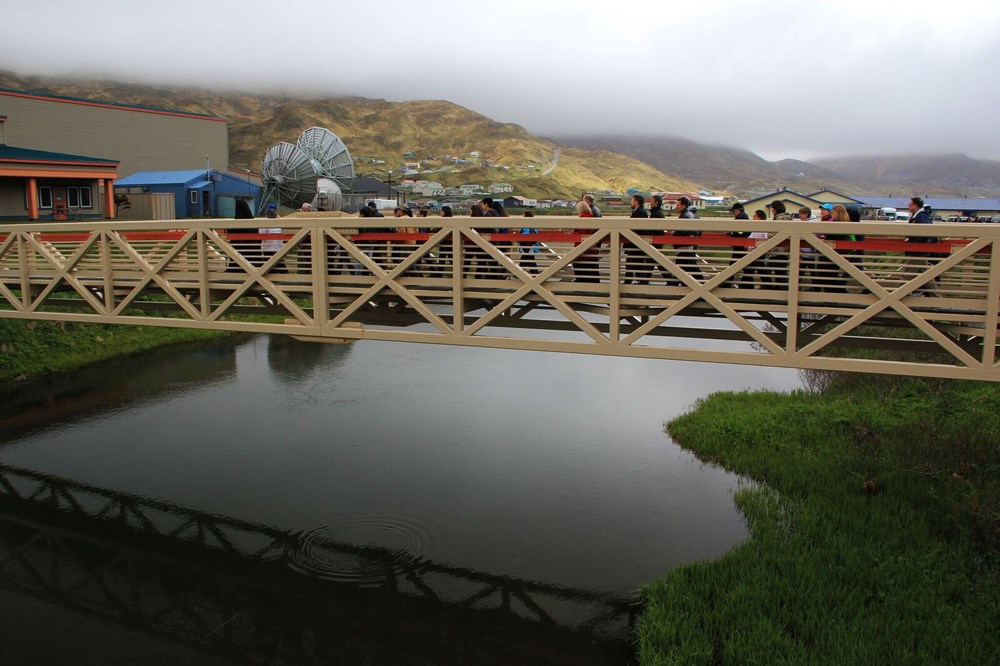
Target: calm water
[(289, 502)]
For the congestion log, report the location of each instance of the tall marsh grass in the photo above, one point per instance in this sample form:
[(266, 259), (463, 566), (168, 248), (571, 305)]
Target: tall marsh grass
[(875, 532)]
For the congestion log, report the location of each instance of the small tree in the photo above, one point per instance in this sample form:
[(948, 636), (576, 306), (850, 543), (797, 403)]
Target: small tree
[(121, 203)]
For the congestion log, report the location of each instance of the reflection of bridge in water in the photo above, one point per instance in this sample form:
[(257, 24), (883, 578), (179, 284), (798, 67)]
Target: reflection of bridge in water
[(615, 287), (234, 588)]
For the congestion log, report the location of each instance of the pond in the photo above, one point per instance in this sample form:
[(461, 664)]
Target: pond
[(290, 502)]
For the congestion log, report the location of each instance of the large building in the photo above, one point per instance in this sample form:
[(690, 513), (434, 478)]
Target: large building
[(873, 207), (138, 138), (59, 156)]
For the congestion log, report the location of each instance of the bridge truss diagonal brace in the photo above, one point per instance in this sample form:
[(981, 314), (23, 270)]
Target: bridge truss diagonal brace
[(993, 315), (535, 284), (15, 240), (703, 291), (892, 300), (64, 272), (153, 274), (258, 276), (387, 279)]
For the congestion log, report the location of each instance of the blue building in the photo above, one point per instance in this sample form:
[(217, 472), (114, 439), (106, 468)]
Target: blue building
[(197, 192)]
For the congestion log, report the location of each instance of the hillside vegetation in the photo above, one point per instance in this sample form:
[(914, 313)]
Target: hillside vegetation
[(386, 130)]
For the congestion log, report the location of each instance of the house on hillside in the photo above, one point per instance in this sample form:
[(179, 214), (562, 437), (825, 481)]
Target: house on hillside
[(500, 188), (428, 189), (469, 189), (519, 202)]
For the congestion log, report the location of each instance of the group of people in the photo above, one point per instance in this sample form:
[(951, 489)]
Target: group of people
[(770, 271), (818, 272)]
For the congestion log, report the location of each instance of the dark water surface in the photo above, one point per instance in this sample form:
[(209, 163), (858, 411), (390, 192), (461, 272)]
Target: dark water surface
[(269, 501)]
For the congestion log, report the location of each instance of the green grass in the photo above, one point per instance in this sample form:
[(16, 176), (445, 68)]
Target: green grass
[(874, 530), (40, 347)]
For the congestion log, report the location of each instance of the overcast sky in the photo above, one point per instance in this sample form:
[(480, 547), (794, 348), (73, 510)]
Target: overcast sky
[(784, 78)]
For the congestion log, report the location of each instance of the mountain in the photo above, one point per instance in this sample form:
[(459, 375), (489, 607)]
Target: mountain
[(377, 129), (730, 169), (747, 174), (934, 171)]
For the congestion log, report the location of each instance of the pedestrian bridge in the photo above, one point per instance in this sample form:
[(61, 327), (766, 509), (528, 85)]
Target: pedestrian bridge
[(797, 295)]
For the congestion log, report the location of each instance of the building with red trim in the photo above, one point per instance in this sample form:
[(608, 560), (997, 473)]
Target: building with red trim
[(39, 184), (43, 174)]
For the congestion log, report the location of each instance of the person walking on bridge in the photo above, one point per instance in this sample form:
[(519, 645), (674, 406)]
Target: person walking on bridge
[(918, 262), (687, 258), (636, 268)]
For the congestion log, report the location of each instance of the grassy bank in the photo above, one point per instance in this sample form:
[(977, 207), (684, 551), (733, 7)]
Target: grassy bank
[(875, 526), (38, 347)]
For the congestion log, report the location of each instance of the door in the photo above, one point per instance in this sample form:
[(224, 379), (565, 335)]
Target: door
[(59, 202)]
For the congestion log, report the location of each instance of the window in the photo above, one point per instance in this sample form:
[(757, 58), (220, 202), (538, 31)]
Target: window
[(85, 200), (73, 197), (45, 197), (194, 196)]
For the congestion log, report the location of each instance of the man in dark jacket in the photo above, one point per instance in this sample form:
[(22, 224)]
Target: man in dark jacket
[(687, 256), (739, 213), (656, 209), (916, 262), (638, 265)]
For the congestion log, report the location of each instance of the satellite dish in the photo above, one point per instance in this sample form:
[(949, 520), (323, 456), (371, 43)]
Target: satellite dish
[(289, 175), (328, 195), (290, 171), (330, 153)]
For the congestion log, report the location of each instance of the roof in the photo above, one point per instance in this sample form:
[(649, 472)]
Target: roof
[(829, 191), (936, 204), (784, 195), (10, 153), (113, 105), (162, 177)]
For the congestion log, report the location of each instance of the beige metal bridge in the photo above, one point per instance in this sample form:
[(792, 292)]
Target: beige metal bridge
[(796, 294)]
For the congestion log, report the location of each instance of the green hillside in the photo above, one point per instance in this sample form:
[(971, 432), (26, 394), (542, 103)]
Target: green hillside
[(387, 130)]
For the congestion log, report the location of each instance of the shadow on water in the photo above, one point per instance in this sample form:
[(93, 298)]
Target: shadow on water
[(289, 360), (47, 402), (247, 592)]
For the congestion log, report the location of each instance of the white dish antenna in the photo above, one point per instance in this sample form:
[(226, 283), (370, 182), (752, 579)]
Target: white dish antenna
[(330, 153), (290, 171)]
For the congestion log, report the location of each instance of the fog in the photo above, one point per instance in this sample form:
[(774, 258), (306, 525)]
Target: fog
[(782, 78)]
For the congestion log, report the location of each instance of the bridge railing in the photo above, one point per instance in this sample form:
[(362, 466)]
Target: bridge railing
[(803, 294)]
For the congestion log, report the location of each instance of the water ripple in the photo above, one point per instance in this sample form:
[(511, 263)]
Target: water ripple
[(365, 551)]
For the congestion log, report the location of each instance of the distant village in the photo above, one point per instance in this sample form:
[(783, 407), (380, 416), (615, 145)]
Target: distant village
[(415, 191)]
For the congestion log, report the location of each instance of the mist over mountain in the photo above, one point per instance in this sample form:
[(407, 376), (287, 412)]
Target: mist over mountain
[(746, 174), (948, 172), (381, 130)]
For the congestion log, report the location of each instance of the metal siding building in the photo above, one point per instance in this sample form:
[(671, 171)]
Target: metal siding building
[(141, 139), (196, 192)]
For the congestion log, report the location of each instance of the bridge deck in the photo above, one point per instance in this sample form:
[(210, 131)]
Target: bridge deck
[(805, 296)]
